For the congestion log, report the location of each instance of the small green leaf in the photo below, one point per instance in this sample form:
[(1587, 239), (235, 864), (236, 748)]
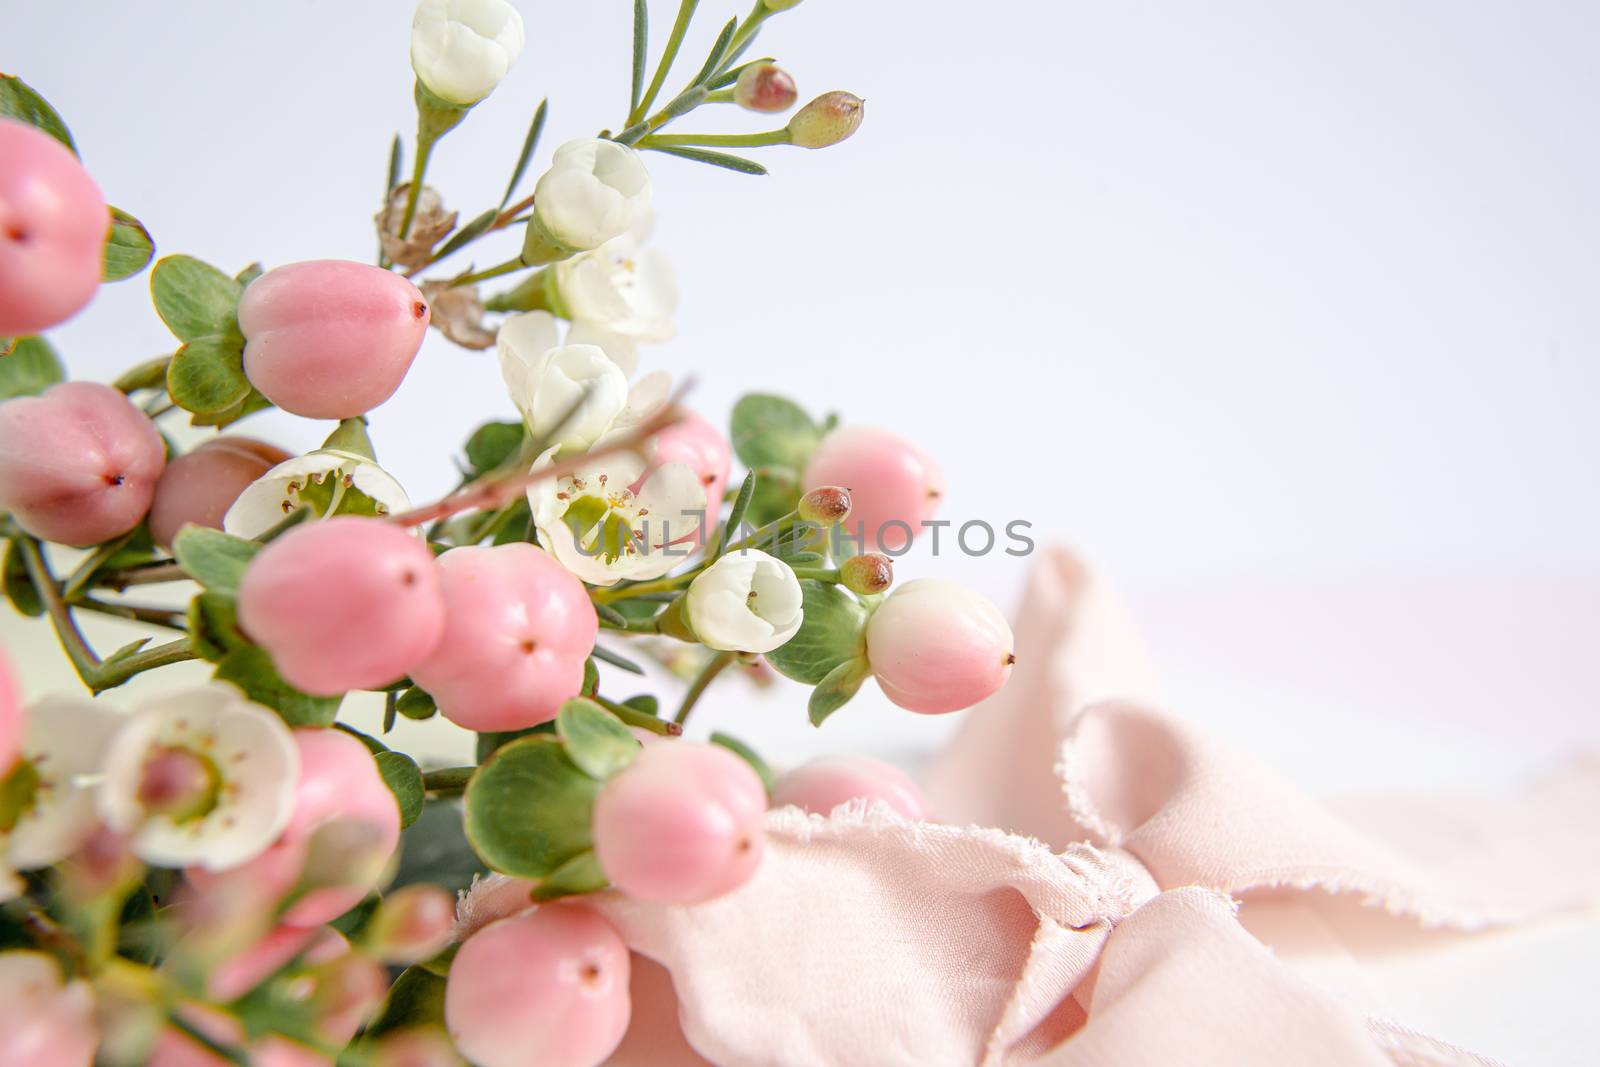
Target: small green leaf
[(728, 77), (31, 367), (646, 703), (831, 633), (492, 444), (251, 669), (415, 999), (837, 688), (19, 101), (772, 431), (404, 779), (529, 807), (596, 740), (641, 44), (749, 755), (741, 504), (416, 704), (19, 587), (206, 375), (529, 143), (719, 51), (397, 157), (470, 232), (214, 626), (151, 374), (195, 299), (249, 274), (251, 404), (581, 874), (215, 559), (716, 159), (128, 247), (591, 678), (605, 655)]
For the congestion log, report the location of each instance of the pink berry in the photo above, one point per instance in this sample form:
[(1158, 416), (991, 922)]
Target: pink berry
[(936, 646), (701, 447), (10, 716), (338, 782), (518, 627), (330, 339), (78, 463), (546, 987), (53, 226), (890, 480), (682, 824), (345, 603), (198, 487), (824, 784), (44, 1021)]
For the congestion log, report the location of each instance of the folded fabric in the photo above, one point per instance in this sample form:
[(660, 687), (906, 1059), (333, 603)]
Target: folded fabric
[(1077, 903)]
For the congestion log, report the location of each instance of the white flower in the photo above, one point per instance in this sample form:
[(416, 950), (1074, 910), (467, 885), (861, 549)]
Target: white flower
[(745, 602), (460, 49), (52, 784), (594, 190), (610, 521), (45, 1020), (573, 391), (329, 480), (621, 287), (623, 350), (243, 759)]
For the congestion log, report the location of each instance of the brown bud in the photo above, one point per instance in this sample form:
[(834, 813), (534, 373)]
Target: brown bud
[(458, 314), (825, 505), (429, 226), (764, 87), (827, 120), (868, 573)]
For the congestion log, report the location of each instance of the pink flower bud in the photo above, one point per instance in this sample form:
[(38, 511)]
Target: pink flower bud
[(824, 784), (53, 226), (894, 486), (45, 1022), (701, 447), (825, 505), (413, 923), (10, 716), (338, 780), (936, 646), (867, 574), (78, 463), (827, 120), (682, 824), (518, 628), (764, 87), (330, 339), (548, 986), (199, 486), (345, 603), (415, 1046)]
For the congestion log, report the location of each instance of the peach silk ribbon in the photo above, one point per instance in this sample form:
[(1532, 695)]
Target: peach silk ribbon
[(1078, 903)]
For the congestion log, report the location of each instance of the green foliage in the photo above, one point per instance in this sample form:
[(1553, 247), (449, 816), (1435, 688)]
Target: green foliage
[(528, 808), (195, 299), (833, 632), (492, 444), (128, 247), (404, 779), (19, 587), (206, 376), (31, 367), (597, 742), (19, 101), (215, 559), (251, 669), (770, 431), (835, 691), (416, 704)]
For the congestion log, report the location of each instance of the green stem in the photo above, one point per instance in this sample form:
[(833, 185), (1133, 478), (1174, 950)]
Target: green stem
[(117, 671), (507, 267), (448, 781), (715, 140), (642, 719), (435, 118), (83, 658), (163, 617), (150, 574), (820, 574), (719, 96), (702, 682), (424, 153), (84, 572), (668, 56), (745, 31)]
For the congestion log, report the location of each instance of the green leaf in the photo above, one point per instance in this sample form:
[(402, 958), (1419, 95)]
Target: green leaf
[(415, 999), (249, 274), (214, 626), (641, 44), (581, 874), (128, 247), (215, 559), (30, 368), (397, 157), (206, 376), (19, 587), (837, 688), (646, 703), (19, 101), (777, 494), (416, 704), (769, 431), (741, 504), (404, 779), (470, 232), (596, 740), (251, 404), (605, 655), (528, 808), (749, 755), (492, 444), (719, 51), (151, 374), (591, 678), (195, 299), (529, 143), (251, 669), (832, 632), (716, 159)]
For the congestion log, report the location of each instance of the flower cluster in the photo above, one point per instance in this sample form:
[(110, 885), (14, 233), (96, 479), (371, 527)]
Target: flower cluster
[(223, 873)]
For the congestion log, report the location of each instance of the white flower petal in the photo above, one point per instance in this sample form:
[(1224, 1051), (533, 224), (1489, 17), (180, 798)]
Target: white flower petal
[(67, 739), (746, 602), (460, 49), (594, 190), (622, 350)]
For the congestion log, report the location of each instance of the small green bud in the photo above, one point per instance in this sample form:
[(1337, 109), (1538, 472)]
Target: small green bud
[(867, 574), (825, 505), (827, 120), (764, 87)]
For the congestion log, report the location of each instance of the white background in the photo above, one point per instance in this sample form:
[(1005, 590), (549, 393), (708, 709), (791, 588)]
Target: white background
[(1283, 313)]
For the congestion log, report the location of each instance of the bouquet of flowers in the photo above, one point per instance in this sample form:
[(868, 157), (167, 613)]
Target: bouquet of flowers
[(215, 876)]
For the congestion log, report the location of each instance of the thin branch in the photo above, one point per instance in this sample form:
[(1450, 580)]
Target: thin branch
[(702, 682)]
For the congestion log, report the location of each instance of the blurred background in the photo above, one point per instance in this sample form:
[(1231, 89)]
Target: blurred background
[(1283, 314)]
